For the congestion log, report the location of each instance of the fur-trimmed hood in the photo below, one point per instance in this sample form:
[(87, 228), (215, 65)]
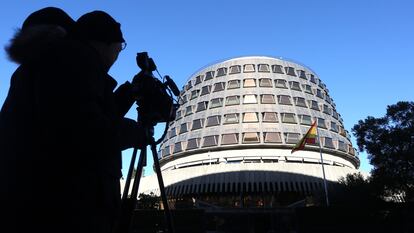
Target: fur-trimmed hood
[(29, 43)]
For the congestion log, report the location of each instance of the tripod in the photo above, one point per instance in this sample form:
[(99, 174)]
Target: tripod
[(128, 204)]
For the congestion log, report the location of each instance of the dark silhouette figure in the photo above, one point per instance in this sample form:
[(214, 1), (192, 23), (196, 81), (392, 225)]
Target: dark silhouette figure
[(62, 126)]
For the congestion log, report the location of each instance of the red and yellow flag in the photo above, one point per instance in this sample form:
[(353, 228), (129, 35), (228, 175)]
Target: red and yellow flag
[(309, 138)]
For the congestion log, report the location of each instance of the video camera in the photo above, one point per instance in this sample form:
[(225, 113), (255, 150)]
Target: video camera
[(154, 97)]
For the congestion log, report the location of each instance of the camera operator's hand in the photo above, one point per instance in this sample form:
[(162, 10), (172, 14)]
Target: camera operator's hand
[(132, 134)]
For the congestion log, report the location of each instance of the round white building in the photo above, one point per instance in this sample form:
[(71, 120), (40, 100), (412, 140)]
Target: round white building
[(239, 119)]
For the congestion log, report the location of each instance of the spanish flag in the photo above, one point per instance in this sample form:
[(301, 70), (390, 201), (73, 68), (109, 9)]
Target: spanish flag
[(309, 138)]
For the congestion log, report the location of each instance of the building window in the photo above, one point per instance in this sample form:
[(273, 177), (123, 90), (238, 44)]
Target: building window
[(270, 117), (166, 151), (205, 90), (213, 121), (248, 68), (235, 69), (264, 68), (178, 114), (341, 146), (178, 147), (328, 99), (265, 82), (302, 74), (319, 93), (189, 110), (249, 117), (288, 118), (249, 99), (201, 106), (284, 99), (173, 133), (210, 141), (250, 82), (219, 86), (194, 94), (272, 137), (221, 71), (183, 99), (231, 118), (335, 114), (290, 71), (277, 69), (209, 75), (233, 84), (228, 139), (197, 124), (267, 99), (305, 119), (193, 143), (314, 105), (300, 102), (295, 86), (198, 79), (280, 83), (312, 78), (326, 109), (217, 102), (292, 138), (251, 137), (321, 123), (307, 88), (233, 100), (188, 86), (183, 128), (328, 143), (334, 127)]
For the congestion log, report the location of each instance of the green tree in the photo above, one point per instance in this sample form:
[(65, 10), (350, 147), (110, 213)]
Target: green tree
[(389, 143)]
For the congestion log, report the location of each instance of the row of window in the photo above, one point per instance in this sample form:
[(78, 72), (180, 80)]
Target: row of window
[(253, 117), (253, 99), (264, 82), (247, 138), (250, 68)]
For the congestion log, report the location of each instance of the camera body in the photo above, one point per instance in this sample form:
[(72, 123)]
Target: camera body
[(155, 103)]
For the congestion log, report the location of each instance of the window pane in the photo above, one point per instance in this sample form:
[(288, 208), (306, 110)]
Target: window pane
[(270, 117), (189, 110), (188, 86), (183, 99), (166, 151), (341, 146), (249, 99), (235, 69), (307, 88), (209, 75), (233, 100), (193, 143), (173, 133), (217, 102), (292, 138), (227, 139), (268, 99), (319, 93), (300, 102), (210, 141), (219, 86), (295, 86), (197, 124), (265, 82), (305, 120), (198, 79), (213, 120), (321, 123), (334, 127), (288, 118), (233, 84), (290, 71), (312, 78), (264, 68), (201, 106), (249, 82), (178, 115), (250, 137), (280, 83), (302, 74), (183, 128), (250, 117), (314, 105), (248, 68), (277, 69), (194, 94), (177, 147), (221, 71), (205, 90), (272, 137), (284, 99), (231, 118), (328, 143), (326, 109)]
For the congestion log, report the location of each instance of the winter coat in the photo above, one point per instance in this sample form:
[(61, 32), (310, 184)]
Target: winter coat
[(59, 136)]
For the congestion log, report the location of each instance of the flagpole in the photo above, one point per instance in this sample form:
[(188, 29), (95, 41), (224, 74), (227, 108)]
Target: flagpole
[(323, 169)]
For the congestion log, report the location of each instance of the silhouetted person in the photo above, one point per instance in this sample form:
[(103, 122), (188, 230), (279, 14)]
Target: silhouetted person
[(62, 127)]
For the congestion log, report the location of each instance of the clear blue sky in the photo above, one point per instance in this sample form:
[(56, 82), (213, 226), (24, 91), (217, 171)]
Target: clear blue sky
[(362, 50)]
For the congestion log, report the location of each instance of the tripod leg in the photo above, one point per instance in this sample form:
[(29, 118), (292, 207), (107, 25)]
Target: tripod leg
[(129, 176), (168, 216)]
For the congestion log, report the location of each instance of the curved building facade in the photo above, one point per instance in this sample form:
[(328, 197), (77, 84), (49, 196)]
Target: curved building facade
[(234, 131)]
